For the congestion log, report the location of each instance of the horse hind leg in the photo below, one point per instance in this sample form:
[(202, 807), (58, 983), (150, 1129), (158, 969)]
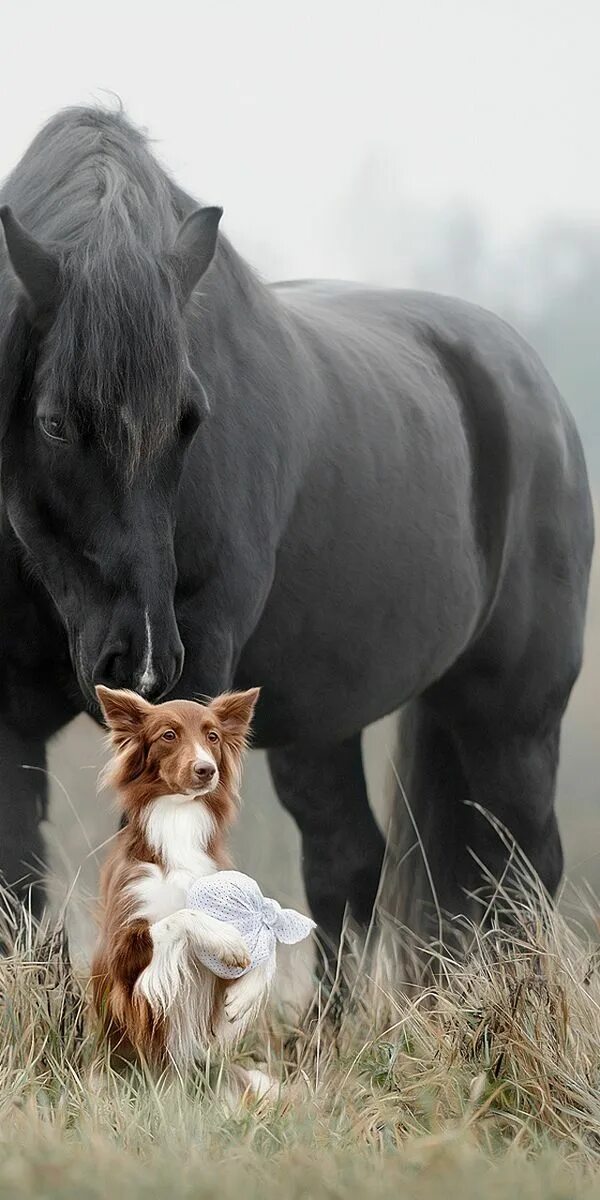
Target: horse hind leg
[(506, 711), (512, 770), (476, 788)]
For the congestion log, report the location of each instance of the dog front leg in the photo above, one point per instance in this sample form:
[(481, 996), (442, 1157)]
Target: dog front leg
[(173, 938), (246, 996)]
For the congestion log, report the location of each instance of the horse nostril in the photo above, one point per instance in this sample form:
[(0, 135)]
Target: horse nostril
[(204, 772), (111, 668), (159, 687), (153, 691)]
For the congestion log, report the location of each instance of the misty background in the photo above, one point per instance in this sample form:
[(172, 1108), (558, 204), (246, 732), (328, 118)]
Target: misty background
[(450, 146)]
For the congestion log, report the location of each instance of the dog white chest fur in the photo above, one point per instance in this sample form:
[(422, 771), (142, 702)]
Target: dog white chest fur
[(179, 829)]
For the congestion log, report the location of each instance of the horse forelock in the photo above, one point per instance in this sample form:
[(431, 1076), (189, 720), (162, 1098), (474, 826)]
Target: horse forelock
[(115, 357), (116, 353)]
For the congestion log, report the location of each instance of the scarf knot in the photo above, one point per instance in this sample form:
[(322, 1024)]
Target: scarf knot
[(237, 899)]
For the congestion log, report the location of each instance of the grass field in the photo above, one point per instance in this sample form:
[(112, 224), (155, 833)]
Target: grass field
[(487, 1084)]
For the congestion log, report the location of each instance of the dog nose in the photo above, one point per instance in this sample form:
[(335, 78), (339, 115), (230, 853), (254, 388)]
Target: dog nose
[(204, 772)]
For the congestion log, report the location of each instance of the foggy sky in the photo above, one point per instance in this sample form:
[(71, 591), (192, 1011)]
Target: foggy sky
[(272, 107)]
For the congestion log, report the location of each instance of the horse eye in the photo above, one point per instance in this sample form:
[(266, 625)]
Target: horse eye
[(53, 428), (169, 735), (189, 422), (212, 735)]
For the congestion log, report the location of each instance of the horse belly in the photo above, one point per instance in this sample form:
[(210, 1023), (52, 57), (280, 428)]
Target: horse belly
[(362, 617)]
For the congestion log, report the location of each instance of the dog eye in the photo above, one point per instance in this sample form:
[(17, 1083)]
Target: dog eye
[(212, 735), (169, 735)]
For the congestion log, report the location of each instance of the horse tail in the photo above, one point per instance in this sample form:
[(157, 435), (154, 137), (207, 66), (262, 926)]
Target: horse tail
[(427, 863)]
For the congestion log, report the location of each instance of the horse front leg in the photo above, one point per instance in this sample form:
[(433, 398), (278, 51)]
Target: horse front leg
[(23, 805), (210, 656), (324, 789), (31, 712)]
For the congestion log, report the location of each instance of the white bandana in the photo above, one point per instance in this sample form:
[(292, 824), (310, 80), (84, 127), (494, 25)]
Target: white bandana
[(236, 898)]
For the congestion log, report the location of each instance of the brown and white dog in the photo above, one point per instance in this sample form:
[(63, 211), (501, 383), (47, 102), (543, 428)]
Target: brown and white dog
[(177, 772)]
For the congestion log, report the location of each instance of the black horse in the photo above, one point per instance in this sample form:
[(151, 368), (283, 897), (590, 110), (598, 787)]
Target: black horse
[(359, 499)]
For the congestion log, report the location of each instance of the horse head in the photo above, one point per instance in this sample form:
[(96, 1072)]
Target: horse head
[(98, 405)]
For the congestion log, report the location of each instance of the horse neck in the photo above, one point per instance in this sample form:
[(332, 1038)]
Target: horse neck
[(249, 357), (237, 298), (243, 338)]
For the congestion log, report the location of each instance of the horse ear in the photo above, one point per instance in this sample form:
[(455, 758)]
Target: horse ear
[(37, 268), (195, 247)]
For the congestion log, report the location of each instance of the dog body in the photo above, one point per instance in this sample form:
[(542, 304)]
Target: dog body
[(177, 773)]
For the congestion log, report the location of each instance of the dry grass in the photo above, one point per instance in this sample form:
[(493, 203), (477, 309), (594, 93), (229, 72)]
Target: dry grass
[(489, 1084)]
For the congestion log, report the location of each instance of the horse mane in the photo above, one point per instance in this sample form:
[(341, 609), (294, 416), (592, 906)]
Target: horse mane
[(116, 354)]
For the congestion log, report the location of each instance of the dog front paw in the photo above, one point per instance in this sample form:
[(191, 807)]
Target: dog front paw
[(239, 1005), (233, 951), (237, 960), (245, 997)]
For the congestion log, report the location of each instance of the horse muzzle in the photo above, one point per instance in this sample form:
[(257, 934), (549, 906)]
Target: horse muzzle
[(147, 660)]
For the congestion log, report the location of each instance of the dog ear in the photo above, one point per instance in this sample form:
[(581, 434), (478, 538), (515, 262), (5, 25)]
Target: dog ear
[(234, 711), (123, 711)]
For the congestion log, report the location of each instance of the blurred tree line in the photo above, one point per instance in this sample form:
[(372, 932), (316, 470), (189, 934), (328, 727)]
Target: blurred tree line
[(546, 283)]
